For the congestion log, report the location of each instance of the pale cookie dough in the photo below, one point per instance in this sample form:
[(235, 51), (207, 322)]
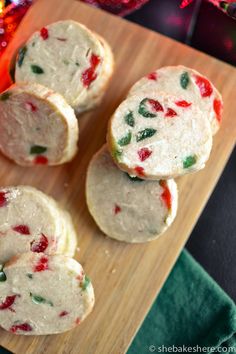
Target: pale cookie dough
[(125, 208), (154, 136), (41, 294), (187, 84), (37, 126), (68, 58), (32, 221)]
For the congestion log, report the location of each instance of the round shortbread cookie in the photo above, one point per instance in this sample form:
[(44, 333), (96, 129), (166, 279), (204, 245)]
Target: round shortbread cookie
[(37, 126), (32, 221), (154, 135), (187, 84), (66, 57), (125, 208), (41, 294)]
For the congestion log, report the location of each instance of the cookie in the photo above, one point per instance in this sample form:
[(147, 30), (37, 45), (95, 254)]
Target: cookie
[(37, 126), (154, 135), (189, 85), (32, 221), (41, 294), (68, 58), (127, 208)]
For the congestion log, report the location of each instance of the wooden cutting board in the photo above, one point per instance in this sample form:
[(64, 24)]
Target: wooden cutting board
[(127, 278)]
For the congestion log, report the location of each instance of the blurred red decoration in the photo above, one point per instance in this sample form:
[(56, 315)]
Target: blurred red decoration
[(10, 17), (185, 3), (117, 7), (228, 6)]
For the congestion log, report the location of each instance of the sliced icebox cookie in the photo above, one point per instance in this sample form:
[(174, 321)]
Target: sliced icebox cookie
[(189, 85), (153, 136), (128, 208), (30, 221), (70, 246), (42, 294), (94, 94), (66, 57), (37, 126)]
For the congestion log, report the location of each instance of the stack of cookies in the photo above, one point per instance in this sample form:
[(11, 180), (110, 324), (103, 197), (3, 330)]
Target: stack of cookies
[(62, 68), (42, 289), (162, 130)]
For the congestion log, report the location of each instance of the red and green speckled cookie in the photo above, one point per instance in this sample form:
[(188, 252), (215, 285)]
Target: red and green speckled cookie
[(189, 85), (32, 221), (128, 208), (37, 126), (154, 136), (42, 294), (70, 59)]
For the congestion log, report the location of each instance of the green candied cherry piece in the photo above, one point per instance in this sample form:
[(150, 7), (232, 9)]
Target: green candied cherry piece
[(37, 149), (134, 178), (144, 134), (189, 161), (37, 69), (86, 282), (4, 96), (125, 140), (129, 119), (143, 109), (184, 80), (37, 299), (29, 275), (116, 152), (117, 155), (2, 274), (21, 55)]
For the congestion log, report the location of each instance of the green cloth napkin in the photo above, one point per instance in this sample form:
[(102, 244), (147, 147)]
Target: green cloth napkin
[(190, 311)]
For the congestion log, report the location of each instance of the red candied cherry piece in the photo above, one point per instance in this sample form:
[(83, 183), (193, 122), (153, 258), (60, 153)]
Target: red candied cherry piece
[(77, 321), (183, 103), (63, 313), (3, 199), (89, 75), (140, 171), (152, 76), (170, 113), (22, 327), (39, 245), (44, 33), (204, 86), (31, 107), (157, 107), (217, 105), (22, 229), (80, 277), (144, 154), (166, 195), (42, 264), (117, 209), (41, 160), (8, 302)]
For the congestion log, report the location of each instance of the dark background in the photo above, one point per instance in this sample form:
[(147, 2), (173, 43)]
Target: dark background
[(205, 27)]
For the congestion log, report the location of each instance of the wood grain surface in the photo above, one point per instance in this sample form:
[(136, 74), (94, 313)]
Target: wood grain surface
[(126, 278)]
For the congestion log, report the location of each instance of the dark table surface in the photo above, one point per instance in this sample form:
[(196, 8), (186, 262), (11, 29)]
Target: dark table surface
[(203, 26)]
